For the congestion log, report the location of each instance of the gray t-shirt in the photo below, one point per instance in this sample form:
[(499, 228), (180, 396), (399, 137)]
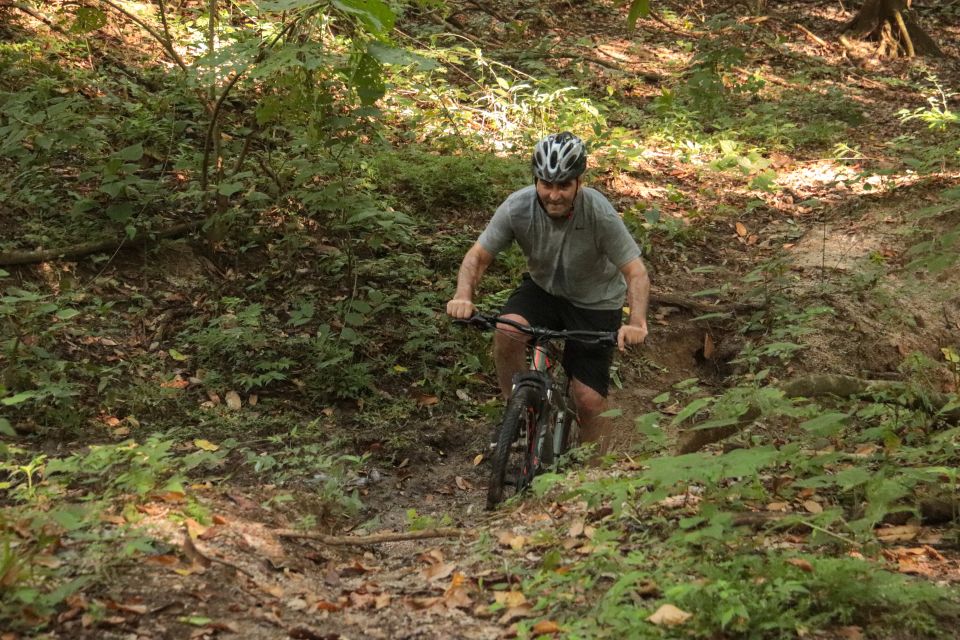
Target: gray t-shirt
[(577, 258)]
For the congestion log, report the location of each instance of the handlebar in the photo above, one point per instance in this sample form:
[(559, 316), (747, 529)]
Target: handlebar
[(605, 338)]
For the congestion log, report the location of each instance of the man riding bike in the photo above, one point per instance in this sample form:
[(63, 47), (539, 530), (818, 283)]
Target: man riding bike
[(583, 264)]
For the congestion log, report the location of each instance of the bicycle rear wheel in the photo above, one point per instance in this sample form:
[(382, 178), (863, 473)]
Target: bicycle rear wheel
[(512, 464)]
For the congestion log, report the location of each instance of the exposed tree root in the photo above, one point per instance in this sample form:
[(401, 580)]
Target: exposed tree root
[(831, 385), (376, 538), (890, 23), (674, 300)]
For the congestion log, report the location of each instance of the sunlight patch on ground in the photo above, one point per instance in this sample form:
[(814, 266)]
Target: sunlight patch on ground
[(632, 187)]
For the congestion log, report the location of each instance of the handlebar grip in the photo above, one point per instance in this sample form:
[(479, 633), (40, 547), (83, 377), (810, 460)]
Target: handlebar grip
[(476, 320)]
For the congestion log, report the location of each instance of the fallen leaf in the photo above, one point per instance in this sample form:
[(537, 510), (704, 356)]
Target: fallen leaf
[(850, 633), (438, 571), (206, 445), (478, 459), (176, 383), (669, 616), (48, 561), (708, 348), (463, 484), (274, 590), (812, 506), (777, 506), (424, 603), (545, 627), (898, 534), (457, 596), (325, 605), (233, 400), (911, 566), (865, 450), (138, 609), (361, 600), (801, 564), (355, 568), (509, 599), (253, 399), (576, 528), (382, 601), (741, 229), (427, 401), (194, 528), (191, 552), (165, 560), (524, 610)]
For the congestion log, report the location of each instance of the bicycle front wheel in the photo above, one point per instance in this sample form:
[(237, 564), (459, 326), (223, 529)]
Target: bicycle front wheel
[(512, 463)]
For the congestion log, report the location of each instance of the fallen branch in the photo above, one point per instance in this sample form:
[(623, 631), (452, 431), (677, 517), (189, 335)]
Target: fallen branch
[(375, 538), (812, 36), (80, 250)]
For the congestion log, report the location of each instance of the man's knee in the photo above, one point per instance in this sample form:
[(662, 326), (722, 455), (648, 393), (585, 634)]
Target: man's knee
[(589, 402), (509, 339)]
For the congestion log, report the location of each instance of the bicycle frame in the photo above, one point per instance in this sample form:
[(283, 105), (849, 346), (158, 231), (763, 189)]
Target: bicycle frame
[(541, 416)]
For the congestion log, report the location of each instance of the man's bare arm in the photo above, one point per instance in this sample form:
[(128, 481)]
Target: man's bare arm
[(472, 268), (638, 299)]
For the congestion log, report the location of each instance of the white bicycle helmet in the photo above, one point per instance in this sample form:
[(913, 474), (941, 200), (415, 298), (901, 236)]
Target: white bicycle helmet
[(559, 157)]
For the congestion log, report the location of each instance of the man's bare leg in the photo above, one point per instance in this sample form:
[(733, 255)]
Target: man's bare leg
[(509, 353), (590, 405)]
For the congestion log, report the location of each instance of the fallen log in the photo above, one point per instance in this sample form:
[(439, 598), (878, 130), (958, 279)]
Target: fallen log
[(112, 245), (932, 511), (831, 385), (883, 390)]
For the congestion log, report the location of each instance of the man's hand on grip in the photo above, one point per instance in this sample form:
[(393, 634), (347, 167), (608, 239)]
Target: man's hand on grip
[(631, 334), (461, 309)]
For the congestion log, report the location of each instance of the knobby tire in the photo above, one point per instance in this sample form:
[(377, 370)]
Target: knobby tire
[(512, 464)]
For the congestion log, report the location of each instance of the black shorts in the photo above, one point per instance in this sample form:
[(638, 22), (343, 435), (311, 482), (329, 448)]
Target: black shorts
[(588, 363)]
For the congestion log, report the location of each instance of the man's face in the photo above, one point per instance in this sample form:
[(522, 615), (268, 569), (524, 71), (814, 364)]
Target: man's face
[(557, 197)]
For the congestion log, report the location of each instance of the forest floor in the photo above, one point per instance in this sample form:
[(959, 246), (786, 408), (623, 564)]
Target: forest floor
[(236, 577)]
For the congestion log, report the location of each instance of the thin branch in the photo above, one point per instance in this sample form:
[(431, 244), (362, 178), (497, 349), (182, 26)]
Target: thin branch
[(37, 15), (376, 538), (215, 112), (814, 37)]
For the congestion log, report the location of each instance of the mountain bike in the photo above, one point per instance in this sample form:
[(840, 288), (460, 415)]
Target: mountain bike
[(539, 422)]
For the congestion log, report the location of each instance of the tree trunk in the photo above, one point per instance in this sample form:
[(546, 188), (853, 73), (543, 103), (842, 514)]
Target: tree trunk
[(891, 23)]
